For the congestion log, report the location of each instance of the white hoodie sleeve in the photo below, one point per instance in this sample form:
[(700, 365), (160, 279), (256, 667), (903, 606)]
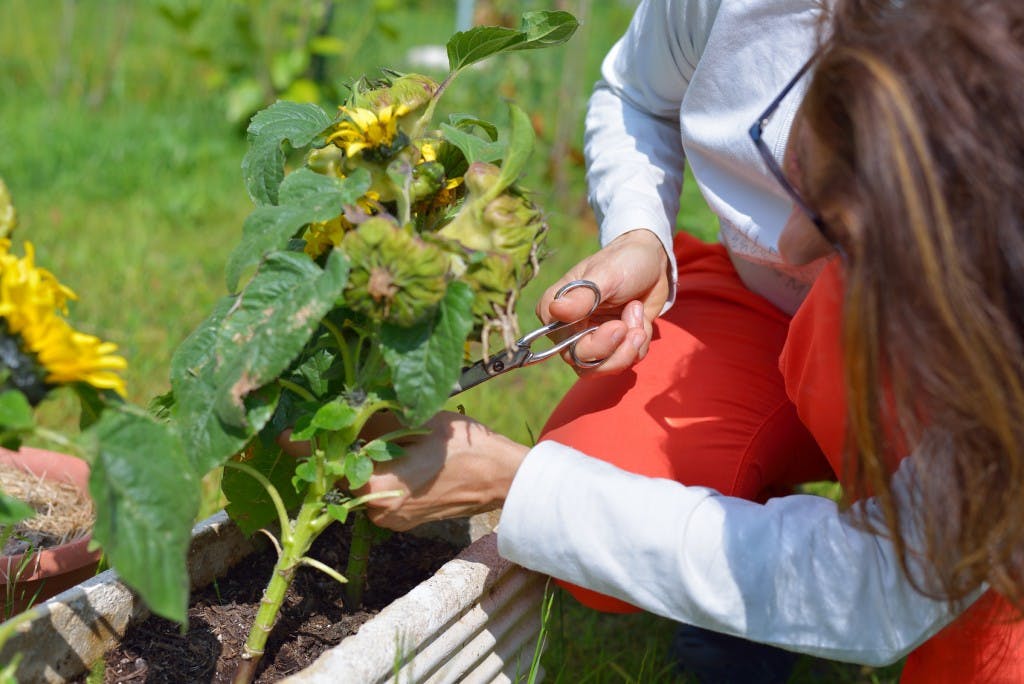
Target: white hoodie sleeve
[(632, 143), (793, 572)]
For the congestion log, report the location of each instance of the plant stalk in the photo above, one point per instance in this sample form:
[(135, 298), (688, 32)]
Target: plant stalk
[(306, 529), (358, 555)]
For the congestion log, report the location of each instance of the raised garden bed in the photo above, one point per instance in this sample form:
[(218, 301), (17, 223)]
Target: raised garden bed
[(475, 619)]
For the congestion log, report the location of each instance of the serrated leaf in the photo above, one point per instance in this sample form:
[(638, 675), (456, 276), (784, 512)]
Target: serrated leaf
[(305, 197), (249, 504), (425, 360), (282, 122), (520, 144), (358, 469), (245, 344), (473, 147), (316, 371), (537, 30), (147, 496), (15, 412)]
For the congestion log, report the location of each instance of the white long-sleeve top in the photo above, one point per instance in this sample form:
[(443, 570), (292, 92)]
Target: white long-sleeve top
[(686, 82), (792, 572)]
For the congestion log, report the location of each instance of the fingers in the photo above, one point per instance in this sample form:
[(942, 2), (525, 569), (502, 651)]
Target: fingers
[(620, 343)]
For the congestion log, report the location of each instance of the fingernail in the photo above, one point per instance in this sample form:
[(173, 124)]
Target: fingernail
[(637, 339), (617, 337)]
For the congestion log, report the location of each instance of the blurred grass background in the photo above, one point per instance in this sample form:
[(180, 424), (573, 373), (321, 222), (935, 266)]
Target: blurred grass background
[(121, 137)]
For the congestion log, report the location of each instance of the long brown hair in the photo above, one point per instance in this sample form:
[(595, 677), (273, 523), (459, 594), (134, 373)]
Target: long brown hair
[(918, 106)]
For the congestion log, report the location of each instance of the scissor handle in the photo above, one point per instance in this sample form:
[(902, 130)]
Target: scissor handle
[(570, 342)]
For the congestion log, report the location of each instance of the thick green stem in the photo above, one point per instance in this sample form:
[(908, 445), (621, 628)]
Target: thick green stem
[(303, 533), (358, 555)]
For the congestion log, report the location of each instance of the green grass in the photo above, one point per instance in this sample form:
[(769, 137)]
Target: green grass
[(125, 171)]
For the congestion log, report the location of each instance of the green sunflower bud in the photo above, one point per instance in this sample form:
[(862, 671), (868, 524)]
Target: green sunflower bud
[(481, 177), (395, 276), (326, 160), (494, 283), (8, 216), (427, 179)]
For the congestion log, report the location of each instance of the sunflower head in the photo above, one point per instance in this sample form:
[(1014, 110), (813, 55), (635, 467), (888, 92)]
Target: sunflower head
[(396, 276), (372, 134), (40, 349)]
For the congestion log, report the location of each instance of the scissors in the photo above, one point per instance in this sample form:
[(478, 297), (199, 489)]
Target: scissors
[(523, 355)]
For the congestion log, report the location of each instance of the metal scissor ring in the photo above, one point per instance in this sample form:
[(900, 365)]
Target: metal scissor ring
[(569, 342)]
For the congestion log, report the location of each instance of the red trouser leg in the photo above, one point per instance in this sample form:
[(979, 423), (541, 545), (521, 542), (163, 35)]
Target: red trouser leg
[(707, 406)]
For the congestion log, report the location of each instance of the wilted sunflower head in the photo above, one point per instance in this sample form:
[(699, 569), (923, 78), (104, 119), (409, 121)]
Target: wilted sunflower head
[(37, 342), (396, 276)]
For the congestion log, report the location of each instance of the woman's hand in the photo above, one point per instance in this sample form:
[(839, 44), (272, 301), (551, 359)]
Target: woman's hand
[(461, 468), (632, 274)]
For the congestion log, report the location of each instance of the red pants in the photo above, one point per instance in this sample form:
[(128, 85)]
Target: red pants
[(707, 406)]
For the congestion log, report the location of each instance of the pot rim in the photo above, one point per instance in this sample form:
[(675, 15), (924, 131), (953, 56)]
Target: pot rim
[(62, 558)]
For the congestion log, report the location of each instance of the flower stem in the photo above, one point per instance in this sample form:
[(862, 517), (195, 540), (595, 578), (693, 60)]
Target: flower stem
[(294, 547), (358, 555)]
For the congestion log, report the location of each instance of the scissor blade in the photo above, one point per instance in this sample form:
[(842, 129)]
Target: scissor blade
[(485, 369)]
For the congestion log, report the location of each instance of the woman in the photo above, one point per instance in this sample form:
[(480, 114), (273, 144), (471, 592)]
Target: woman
[(906, 158)]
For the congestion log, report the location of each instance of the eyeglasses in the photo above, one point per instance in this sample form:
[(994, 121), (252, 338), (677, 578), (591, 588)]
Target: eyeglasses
[(757, 135)]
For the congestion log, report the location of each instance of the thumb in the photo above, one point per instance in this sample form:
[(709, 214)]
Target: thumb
[(572, 305)]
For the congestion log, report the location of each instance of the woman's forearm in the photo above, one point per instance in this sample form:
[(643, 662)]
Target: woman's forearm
[(793, 573)]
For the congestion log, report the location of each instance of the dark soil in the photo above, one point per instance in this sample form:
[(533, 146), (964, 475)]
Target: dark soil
[(312, 620)]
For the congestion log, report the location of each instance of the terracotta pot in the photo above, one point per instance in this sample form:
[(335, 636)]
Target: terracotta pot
[(49, 571)]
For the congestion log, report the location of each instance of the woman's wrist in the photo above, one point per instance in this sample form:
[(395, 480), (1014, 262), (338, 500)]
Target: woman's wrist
[(506, 457)]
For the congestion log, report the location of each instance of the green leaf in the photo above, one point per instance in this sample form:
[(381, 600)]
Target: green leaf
[(537, 30), (305, 196), (338, 512), (249, 504), (379, 450), (263, 165), (473, 147), (520, 144), (358, 469), (15, 412), (547, 28), (13, 511), (335, 415), (316, 371), (425, 360), (147, 496), (466, 122), (304, 472), (247, 342)]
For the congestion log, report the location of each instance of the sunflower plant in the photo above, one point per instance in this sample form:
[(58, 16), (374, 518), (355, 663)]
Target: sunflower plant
[(136, 461), (382, 247)]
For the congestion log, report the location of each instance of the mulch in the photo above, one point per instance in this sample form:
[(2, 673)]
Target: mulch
[(312, 620)]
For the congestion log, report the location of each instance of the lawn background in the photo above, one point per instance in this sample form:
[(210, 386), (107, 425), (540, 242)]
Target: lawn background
[(117, 144)]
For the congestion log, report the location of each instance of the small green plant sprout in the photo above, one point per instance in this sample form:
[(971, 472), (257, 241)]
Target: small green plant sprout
[(361, 278), (143, 490)]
